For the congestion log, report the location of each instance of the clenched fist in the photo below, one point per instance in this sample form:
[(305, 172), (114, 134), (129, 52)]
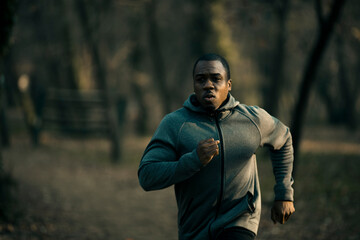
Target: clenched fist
[(207, 149), (281, 211)]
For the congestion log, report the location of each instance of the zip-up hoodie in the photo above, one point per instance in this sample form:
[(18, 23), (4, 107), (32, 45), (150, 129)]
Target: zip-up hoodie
[(226, 192)]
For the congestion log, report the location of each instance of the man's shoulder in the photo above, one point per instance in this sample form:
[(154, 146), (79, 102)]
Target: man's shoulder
[(256, 114), (178, 114), (176, 117), (173, 122), (250, 111)]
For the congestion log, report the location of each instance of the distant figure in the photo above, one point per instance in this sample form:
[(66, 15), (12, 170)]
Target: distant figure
[(207, 150)]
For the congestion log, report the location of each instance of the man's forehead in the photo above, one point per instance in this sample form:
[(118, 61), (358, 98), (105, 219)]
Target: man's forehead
[(209, 67)]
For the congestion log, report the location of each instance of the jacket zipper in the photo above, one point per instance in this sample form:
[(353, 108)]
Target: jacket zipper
[(222, 165), (222, 172)]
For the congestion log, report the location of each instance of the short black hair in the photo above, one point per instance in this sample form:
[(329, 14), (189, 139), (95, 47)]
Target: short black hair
[(214, 57)]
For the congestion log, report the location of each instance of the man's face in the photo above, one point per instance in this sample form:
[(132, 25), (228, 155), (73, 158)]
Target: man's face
[(211, 84)]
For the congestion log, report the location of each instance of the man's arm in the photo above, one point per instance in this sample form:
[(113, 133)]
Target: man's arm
[(277, 137), (161, 165), (282, 161)]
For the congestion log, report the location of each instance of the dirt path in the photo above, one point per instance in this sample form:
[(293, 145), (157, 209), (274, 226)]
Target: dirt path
[(69, 190)]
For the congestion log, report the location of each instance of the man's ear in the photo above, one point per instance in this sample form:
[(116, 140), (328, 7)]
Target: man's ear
[(229, 82)]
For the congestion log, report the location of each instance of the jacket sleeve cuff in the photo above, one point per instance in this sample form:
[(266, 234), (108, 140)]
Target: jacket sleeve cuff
[(284, 194)]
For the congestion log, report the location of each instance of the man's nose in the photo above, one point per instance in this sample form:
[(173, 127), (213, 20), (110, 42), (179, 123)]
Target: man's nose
[(208, 84)]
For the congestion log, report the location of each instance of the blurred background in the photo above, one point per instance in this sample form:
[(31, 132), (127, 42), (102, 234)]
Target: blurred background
[(84, 84)]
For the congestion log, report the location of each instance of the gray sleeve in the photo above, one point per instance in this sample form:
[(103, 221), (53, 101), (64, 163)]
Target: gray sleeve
[(160, 166), (277, 137)]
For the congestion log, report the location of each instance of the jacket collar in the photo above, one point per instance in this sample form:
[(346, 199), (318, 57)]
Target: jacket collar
[(193, 104)]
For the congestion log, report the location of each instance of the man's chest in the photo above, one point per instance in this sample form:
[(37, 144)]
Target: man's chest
[(239, 137)]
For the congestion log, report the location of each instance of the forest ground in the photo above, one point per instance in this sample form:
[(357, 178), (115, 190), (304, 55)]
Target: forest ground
[(68, 189)]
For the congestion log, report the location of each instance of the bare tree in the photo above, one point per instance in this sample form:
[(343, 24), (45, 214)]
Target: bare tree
[(7, 19), (348, 94), (100, 75), (337, 88), (309, 74), (275, 89), (157, 59), (137, 70)]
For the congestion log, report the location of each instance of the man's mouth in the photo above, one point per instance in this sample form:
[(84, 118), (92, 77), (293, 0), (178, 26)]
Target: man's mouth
[(209, 97)]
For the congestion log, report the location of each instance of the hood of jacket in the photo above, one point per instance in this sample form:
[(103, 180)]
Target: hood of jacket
[(194, 105)]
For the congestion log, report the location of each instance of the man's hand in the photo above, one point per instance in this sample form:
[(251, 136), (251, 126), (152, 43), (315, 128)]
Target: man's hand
[(281, 211), (207, 149)]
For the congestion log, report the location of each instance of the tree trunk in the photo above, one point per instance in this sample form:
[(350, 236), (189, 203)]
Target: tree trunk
[(69, 54), (157, 59), (275, 91), (101, 79), (310, 71), (4, 130), (324, 92), (138, 87), (347, 93), (7, 19), (3, 126)]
